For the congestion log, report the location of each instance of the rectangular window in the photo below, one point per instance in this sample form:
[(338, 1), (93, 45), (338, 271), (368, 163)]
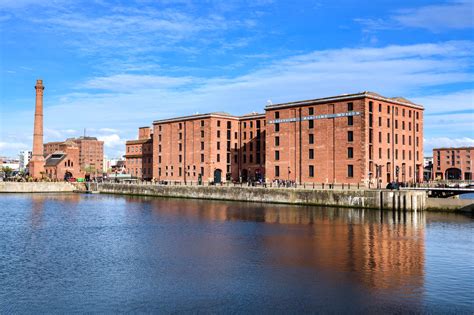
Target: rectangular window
[(380, 137), (277, 115), (311, 138), (371, 107), (380, 108), (218, 133), (311, 154), (350, 106), (277, 127), (311, 171), (380, 121), (277, 171), (202, 145), (350, 152), (202, 133), (251, 158), (218, 123), (380, 153), (277, 155), (202, 158), (350, 171), (277, 141), (388, 137), (350, 120), (311, 111), (218, 145), (388, 122), (311, 124), (202, 171), (229, 125), (218, 157), (202, 123), (350, 136)]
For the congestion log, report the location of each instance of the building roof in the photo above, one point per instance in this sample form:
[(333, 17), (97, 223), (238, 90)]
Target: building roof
[(196, 116), (252, 115), (54, 158), (139, 141), (343, 97), (454, 148)]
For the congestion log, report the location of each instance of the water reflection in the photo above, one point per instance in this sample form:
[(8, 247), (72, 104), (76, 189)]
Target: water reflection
[(82, 253)]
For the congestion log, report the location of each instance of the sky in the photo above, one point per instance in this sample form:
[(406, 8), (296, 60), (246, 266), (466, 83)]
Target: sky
[(111, 66)]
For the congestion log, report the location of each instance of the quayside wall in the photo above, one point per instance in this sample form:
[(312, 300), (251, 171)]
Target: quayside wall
[(376, 199), (35, 187)]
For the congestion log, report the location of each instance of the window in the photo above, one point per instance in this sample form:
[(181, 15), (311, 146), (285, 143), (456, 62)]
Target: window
[(388, 137), (277, 141), (202, 171), (311, 171), (396, 124), (202, 145), (380, 153), (159, 148), (311, 124), (180, 126), (277, 171), (202, 133), (218, 123), (311, 111), (388, 122), (350, 171), (218, 145), (350, 152), (277, 127), (350, 120), (277, 155), (380, 108), (350, 136), (229, 125), (277, 115), (202, 158), (245, 124), (311, 154), (202, 123), (311, 138), (371, 107), (350, 106), (218, 133), (218, 157), (380, 121), (250, 158)]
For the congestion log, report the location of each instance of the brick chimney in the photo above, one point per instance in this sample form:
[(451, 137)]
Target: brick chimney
[(36, 165)]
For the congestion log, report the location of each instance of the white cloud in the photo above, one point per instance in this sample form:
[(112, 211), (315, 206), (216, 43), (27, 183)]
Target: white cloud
[(129, 82), (12, 146), (454, 15), (446, 142), (437, 17)]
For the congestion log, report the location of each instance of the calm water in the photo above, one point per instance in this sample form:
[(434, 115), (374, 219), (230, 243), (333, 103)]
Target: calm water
[(79, 253)]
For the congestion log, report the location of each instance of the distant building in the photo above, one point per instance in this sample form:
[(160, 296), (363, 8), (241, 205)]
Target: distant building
[(139, 155), (25, 157), (453, 163), (91, 153)]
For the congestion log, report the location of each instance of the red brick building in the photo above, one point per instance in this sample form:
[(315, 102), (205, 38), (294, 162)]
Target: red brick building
[(453, 163), (356, 138), (197, 147), (64, 162), (139, 155), (91, 153), (251, 148)]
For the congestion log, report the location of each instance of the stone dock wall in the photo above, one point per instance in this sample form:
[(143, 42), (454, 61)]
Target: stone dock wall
[(375, 199), (35, 187)]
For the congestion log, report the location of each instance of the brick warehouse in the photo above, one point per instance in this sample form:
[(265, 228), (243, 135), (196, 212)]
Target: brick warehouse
[(453, 163), (357, 138), (209, 147), (139, 154)]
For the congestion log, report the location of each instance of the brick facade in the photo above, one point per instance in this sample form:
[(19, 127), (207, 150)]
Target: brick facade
[(453, 163), (91, 153), (139, 155), (360, 138)]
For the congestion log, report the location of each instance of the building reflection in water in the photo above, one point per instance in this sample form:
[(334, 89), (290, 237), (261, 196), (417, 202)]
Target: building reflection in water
[(380, 250), (38, 204)]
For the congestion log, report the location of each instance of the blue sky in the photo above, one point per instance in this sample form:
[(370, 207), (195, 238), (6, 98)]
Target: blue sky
[(112, 66)]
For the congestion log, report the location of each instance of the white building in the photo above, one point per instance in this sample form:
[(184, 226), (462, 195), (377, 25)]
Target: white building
[(25, 157)]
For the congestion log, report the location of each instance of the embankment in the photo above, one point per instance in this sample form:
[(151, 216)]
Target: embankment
[(375, 199), (36, 187)]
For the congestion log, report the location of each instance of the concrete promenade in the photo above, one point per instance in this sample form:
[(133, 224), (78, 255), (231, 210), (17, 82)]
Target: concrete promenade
[(354, 198)]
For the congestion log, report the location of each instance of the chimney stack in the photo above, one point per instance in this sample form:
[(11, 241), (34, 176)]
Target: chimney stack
[(36, 165)]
